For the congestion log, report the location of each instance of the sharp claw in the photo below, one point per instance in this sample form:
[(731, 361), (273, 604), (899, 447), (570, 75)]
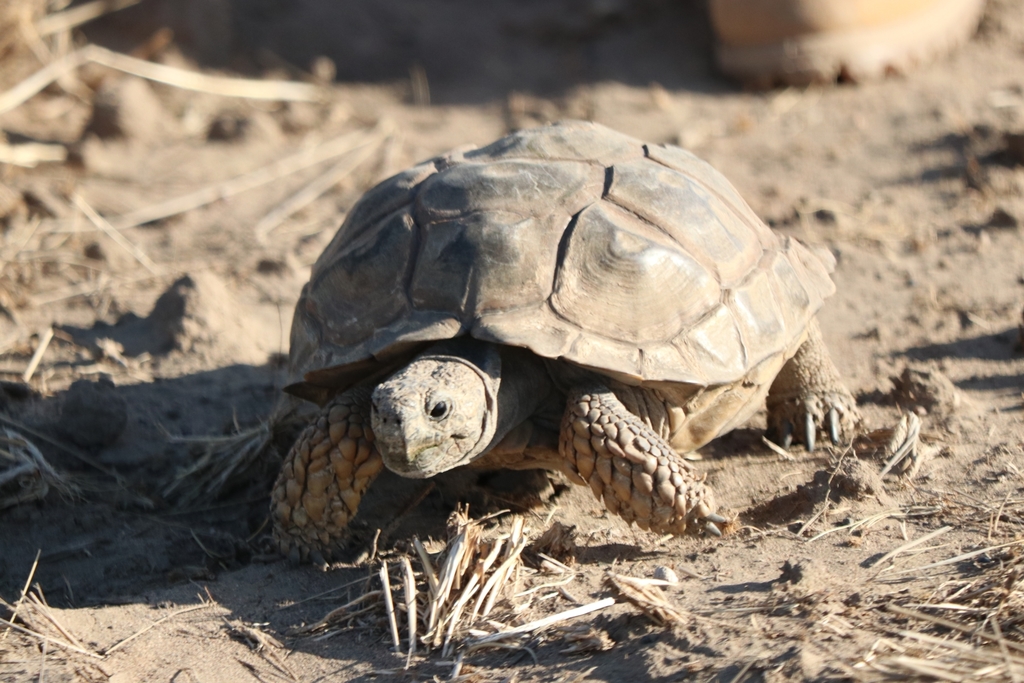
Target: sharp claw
[(809, 431), (833, 425), (786, 434), (716, 518), (317, 558), (712, 529)]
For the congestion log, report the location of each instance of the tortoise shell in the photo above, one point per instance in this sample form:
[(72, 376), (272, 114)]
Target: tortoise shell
[(636, 260)]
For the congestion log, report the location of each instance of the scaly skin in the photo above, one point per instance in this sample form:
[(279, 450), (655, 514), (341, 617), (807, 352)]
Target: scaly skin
[(324, 478), (624, 460), (630, 467), (808, 395)]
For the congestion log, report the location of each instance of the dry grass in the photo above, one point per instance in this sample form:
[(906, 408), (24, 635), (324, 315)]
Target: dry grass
[(25, 475), (962, 617), (647, 596), (224, 463), (46, 225), (899, 447), (31, 617), (971, 626), (959, 618), (263, 644), (15, 52), (465, 597)]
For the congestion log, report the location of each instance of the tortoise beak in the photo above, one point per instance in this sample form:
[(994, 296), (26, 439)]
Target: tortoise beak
[(406, 451)]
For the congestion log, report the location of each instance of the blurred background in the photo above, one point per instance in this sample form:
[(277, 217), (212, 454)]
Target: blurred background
[(470, 52)]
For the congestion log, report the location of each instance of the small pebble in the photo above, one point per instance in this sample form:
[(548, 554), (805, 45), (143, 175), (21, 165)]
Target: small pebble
[(665, 574)]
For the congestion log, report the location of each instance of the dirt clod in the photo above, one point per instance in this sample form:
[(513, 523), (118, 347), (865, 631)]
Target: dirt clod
[(809, 572), (559, 542), (95, 251), (93, 414), (927, 389), (852, 478), (197, 314), (18, 391), (663, 573)]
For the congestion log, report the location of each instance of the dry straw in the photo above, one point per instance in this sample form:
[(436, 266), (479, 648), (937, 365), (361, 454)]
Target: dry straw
[(33, 617), (25, 475), (464, 597), (161, 73)]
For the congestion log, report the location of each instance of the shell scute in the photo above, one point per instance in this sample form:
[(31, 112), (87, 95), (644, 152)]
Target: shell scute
[(622, 280), (639, 261), (701, 223), (523, 187), (483, 262), (716, 345), (704, 173), (377, 261), (760, 321), (385, 198)]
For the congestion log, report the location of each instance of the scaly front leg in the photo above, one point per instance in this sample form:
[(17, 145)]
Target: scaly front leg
[(631, 468), (324, 477)]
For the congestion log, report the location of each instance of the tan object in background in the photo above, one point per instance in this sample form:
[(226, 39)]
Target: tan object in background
[(765, 42)]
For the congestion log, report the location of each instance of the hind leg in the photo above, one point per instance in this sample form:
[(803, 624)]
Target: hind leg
[(324, 478), (808, 396)]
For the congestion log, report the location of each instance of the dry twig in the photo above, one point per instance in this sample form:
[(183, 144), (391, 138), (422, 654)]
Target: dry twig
[(226, 460), (33, 606), (31, 154), (124, 641), (161, 73), (321, 184), (467, 571), (114, 234), (24, 473), (389, 605), (262, 644), (539, 624), (79, 14), (911, 544), (410, 605), (646, 595), (44, 343), (343, 144), (24, 590)]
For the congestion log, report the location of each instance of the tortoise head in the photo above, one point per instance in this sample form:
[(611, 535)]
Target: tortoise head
[(436, 413)]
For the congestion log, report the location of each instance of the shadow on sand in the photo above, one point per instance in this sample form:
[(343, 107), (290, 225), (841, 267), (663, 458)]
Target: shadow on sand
[(122, 543), (464, 50)]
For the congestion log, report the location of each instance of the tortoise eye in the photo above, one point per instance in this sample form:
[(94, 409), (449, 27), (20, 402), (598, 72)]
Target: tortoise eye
[(439, 410)]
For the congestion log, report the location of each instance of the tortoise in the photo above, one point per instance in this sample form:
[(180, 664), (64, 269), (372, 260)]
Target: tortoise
[(569, 298)]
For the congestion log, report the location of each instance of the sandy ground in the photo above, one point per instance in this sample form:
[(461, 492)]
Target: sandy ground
[(170, 337)]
